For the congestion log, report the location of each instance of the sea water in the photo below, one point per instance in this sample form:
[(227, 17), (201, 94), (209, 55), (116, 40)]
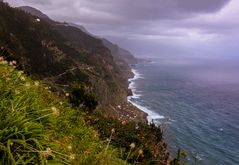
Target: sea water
[(196, 102)]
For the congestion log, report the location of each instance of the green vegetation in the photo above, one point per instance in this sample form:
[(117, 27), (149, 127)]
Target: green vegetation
[(137, 142), (60, 55), (180, 159), (81, 96), (36, 127)]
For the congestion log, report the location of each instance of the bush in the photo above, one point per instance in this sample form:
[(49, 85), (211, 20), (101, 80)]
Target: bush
[(81, 96), (36, 127), (147, 139)]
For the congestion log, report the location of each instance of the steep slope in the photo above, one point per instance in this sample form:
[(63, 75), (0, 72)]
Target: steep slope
[(122, 57), (35, 12), (83, 29), (45, 51), (117, 65), (36, 127), (120, 53)]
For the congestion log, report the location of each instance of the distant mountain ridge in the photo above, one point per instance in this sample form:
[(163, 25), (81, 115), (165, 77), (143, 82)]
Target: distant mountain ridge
[(120, 55), (35, 12), (44, 50), (67, 65)]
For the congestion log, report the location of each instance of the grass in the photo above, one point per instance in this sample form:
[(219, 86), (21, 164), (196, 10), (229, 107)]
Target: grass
[(37, 127)]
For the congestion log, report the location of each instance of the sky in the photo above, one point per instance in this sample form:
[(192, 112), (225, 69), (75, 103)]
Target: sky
[(153, 27)]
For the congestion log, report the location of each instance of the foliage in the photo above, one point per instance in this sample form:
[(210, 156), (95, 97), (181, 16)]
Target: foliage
[(81, 96), (180, 159), (149, 146), (59, 54), (36, 127)]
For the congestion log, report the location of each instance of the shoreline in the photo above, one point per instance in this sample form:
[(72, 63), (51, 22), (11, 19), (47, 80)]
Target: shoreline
[(134, 76), (150, 115)]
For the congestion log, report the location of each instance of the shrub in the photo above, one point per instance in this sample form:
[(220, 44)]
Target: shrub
[(147, 138), (36, 127), (81, 96)]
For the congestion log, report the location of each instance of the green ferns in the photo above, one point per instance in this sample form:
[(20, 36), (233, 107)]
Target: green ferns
[(36, 127)]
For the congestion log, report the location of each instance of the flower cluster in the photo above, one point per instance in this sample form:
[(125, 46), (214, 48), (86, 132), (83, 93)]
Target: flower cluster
[(47, 153), (3, 61), (55, 111)]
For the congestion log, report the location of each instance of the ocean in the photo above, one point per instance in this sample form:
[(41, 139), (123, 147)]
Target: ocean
[(196, 102)]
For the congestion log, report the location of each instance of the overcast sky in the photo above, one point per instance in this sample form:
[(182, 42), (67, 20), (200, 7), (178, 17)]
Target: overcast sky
[(153, 27)]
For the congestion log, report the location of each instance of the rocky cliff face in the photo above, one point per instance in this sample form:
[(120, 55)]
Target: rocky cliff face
[(60, 54), (73, 32), (35, 12), (121, 57), (117, 52)]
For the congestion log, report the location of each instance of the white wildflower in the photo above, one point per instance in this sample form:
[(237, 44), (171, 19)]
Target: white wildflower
[(3, 62), (132, 145), (36, 83), (140, 152), (19, 73), (14, 62), (47, 152), (55, 111), (113, 130), (69, 147), (72, 157), (22, 78), (11, 63), (27, 84)]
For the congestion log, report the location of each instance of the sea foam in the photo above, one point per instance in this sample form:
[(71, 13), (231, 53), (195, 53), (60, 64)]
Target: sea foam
[(136, 95)]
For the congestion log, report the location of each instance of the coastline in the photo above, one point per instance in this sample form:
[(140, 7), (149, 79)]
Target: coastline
[(134, 94), (128, 111)]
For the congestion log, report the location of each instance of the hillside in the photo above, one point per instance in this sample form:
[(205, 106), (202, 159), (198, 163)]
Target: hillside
[(39, 128), (122, 57), (61, 55), (52, 77), (35, 12)]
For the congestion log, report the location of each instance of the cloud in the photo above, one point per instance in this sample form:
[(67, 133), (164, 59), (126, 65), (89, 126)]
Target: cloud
[(29, 2), (202, 6), (154, 9), (163, 24), (126, 10)]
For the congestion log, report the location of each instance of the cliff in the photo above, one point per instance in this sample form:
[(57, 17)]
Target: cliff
[(60, 55), (117, 59), (45, 66)]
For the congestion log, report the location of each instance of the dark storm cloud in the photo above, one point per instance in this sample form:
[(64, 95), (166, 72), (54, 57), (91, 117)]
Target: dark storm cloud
[(201, 5), (128, 10), (163, 24), (33, 2), (156, 8), (125, 11)]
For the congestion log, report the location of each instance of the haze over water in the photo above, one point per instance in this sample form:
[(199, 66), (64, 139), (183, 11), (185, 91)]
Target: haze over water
[(199, 100)]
